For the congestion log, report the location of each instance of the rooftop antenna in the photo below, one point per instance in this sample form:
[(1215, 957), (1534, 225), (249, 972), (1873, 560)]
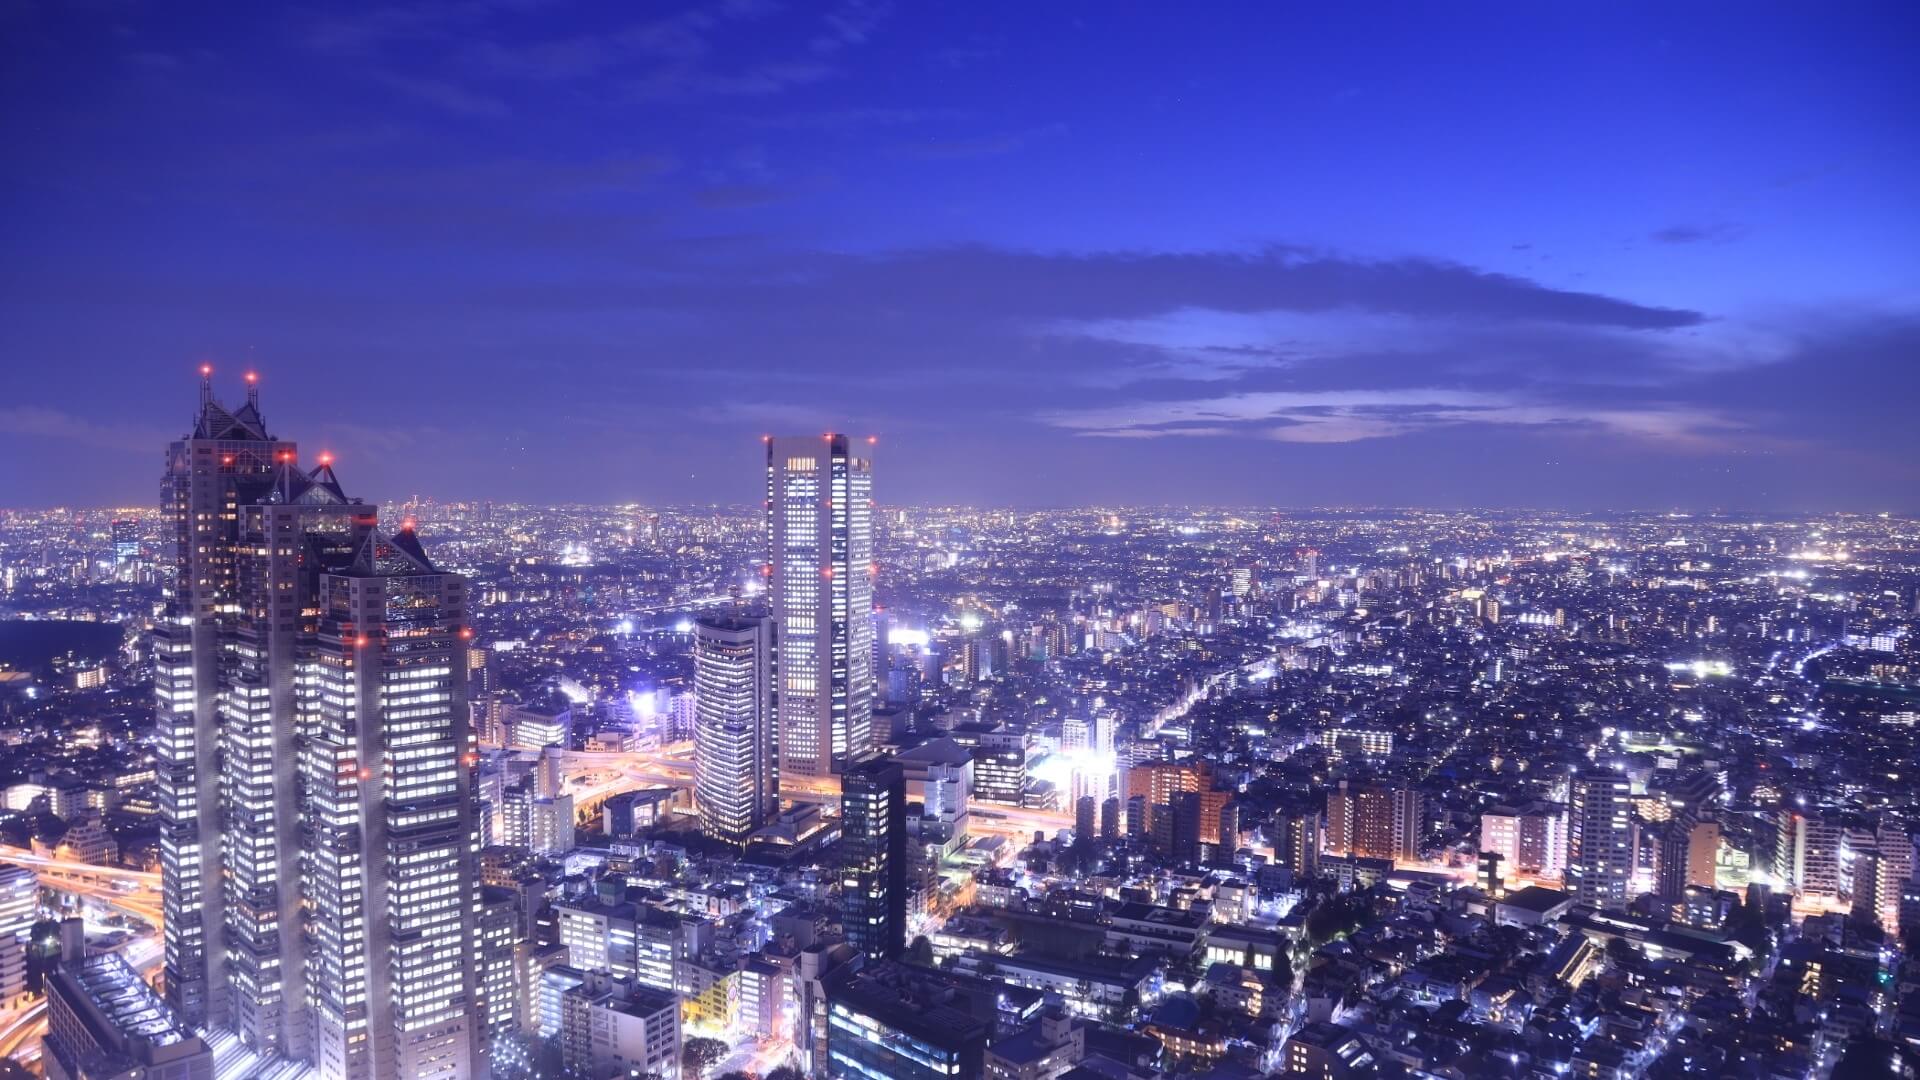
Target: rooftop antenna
[(206, 386), (253, 391)]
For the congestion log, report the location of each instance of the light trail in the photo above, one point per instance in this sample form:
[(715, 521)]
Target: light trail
[(22, 1029)]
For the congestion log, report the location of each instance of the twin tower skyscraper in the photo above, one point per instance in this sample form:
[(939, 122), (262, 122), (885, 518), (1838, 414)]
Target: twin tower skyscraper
[(315, 756), (785, 701), (315, 767)]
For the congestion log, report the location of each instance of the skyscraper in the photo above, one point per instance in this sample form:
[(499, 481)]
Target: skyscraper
[(1600, 838), (126, 545), (820, 582), (228, 458), (315, 811), (873, 835), (733, 779)]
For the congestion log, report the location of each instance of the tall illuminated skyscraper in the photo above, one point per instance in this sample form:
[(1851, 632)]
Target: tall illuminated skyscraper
[(820, 585), (733, 779), (315, 814), (228, 458), (1600, 838)]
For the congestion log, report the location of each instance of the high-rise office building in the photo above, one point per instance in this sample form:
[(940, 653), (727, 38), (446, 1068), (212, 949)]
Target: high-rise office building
[(733, 779), (873, 835), (315, 809), (1600, 838), (820, 583), (126, 545), (228, 458)]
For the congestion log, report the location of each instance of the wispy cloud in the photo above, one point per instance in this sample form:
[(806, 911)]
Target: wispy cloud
[(742, 196), (1338, 416), (981, 146), (37, 422), (444, 94), (1698, 234)]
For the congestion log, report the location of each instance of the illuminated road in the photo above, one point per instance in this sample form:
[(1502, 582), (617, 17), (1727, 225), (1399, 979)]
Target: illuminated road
[(993, 819), (132, 892), (143, 878), (608, 773)]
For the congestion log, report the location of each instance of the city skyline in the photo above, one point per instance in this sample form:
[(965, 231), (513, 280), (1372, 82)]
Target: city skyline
[(1054, 789), (861, 540), (1553, 258)]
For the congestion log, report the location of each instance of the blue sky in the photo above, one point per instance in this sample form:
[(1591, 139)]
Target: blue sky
[(1575, 255)]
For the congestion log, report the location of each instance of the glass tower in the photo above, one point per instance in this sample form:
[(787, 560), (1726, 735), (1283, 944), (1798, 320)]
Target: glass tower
[(820, 584)]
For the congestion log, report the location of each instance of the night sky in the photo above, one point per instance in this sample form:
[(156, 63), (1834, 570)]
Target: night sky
[(1444, 254)]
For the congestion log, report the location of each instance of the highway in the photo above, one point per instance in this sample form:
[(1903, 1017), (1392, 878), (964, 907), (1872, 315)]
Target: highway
[(133, 892)]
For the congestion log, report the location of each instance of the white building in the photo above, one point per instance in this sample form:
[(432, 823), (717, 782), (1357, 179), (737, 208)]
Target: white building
[(733, 726), (610, 1028), (820, 571), (315, 825), (19, 900), (1600, 838)]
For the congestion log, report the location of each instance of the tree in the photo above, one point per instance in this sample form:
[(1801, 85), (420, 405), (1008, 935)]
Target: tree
[(1334, 916), (701, 1054), (920, 952), (785, 1072)]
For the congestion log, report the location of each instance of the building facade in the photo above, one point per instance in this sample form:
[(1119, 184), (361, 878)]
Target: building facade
[(820, 583), (316, 809), (734, 784), (873, 833), (1600, 838)]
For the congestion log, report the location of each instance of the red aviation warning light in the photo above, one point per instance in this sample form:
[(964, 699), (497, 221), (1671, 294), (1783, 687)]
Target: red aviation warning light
[(252, 377), (206, 370)]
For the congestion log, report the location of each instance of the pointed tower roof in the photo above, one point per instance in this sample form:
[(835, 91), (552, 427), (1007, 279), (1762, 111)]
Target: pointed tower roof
[(216, 422), (398, 554), (324, 486)]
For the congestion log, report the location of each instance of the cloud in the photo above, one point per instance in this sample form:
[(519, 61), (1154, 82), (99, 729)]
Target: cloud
[(982, 146), (38, 422), (742, 196), (461, 57), (1698, 234), (1338, 416), (1115, 285), (841, 121), (446, 95)]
